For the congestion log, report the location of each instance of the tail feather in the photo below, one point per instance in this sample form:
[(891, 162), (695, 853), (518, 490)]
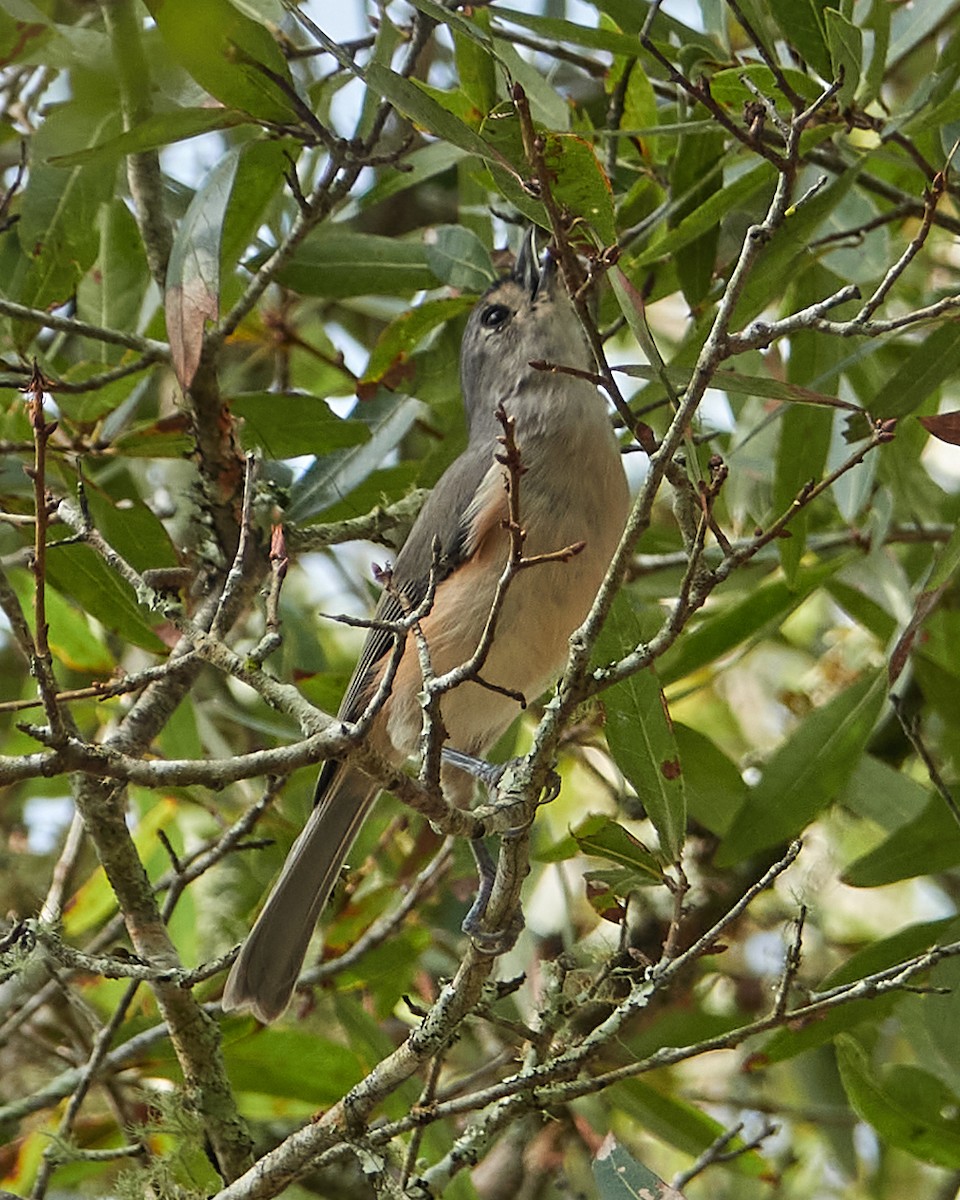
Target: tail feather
[(265, 973)]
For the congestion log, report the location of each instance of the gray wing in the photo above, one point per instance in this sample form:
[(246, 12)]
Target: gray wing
[(442, 517)]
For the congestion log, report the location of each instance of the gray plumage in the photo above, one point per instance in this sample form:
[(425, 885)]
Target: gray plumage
[(573, 488)]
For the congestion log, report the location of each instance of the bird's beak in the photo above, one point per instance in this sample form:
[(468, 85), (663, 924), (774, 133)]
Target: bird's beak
[(527, 270)]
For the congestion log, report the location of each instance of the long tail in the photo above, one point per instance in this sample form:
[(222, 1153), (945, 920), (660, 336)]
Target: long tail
[(265, 974)]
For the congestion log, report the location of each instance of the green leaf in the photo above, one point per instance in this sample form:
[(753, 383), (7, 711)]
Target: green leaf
[(801, 1038), (807, 771), (336, 262), (128, 524), (804, 433), (160, 129), (728, 87), (880, 794), (335, 476), (706, 216), (459, 259), (192, 294), (287, 424), (402, 336), (112, 295), (723, 632), (95, 900), (567, 31), (476, 66), (789, 248), (426, 162), (927, 844), (845, 42), (916, 939), (71, 639), (937, 1015), (421, 108), (58, 228), (803, 24), (888, 951), (580, 183), (469, 30), (878, 22), (228, 54), (258, 179), (640, 734), (696, 178), (715, 789), (285, 1062), (619, 1176), (907, 1107), (600, 837), (639, 101), (548, 107), (677, 1122), (736, 384), (79, 573), (923, 368)]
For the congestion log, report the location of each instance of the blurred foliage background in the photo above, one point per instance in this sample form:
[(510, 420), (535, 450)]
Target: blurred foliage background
[(245, 227)]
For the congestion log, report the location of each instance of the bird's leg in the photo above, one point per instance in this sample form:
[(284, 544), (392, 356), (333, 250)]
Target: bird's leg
[(486, 873), (490, 775)]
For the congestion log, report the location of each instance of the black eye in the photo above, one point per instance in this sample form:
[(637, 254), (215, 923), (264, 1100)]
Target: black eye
[(495, 316)]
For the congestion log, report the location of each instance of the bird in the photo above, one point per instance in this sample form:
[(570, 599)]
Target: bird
[(572, 489)]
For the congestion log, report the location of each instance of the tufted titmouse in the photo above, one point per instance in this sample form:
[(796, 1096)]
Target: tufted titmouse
[(573, 489)]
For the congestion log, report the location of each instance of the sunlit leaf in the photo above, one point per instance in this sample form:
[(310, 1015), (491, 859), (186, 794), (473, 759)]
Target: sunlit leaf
[(807, 771), (908, 1107)]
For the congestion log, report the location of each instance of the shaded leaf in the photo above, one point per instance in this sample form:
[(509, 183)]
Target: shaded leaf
[(333, 477), (679, 1123), (923, 368), (81, 574), (705, 216), (696, 178), (337, 262), (803, 24), (459, 259), (287, 424), (426, 162), (787, 1043), (58, 228), (714, 787), (593, 38), (805, 434), (944, 569), (619, 1176), (71, 639), (845, 42)]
